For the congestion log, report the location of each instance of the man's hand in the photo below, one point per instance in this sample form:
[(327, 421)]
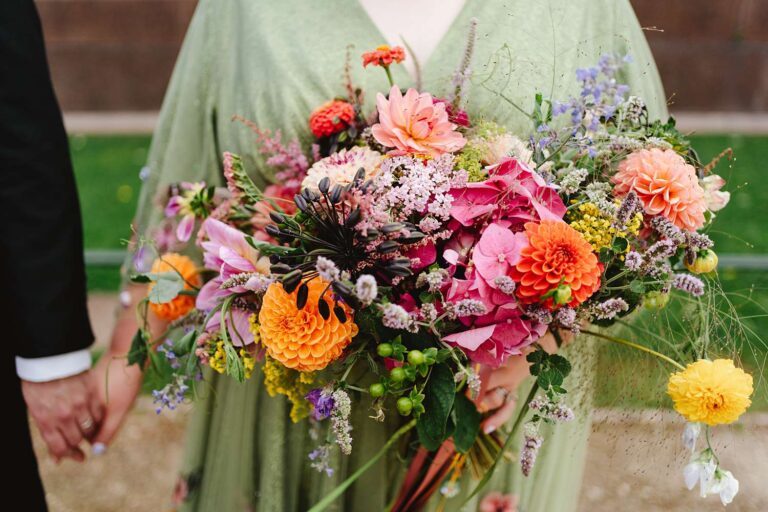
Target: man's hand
[(66, 411)]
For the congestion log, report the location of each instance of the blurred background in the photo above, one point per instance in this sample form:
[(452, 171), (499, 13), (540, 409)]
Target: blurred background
[(111, 61)]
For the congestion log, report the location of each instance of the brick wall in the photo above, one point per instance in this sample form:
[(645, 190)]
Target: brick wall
[(118, 54)]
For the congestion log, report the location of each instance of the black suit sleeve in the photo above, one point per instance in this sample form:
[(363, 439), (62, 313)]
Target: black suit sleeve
[(42, 274)]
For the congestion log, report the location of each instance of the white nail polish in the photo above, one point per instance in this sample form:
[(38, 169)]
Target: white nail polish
[(489, 429), (98, 448)]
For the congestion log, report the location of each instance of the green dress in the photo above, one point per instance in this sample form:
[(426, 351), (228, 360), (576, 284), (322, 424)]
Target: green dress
[(273, 62)]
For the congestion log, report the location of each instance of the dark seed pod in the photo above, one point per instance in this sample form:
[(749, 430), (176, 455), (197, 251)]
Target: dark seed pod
[(359, 175), (373, 233), (388, 246), (301, 202), (302, 296), (324, 185), (412, 238), (279, 268), (277, 217), (291, 280), (324, 308), (397, 270), (340, 314), (342, 289), (394, 227), (403, 262), (307, 194), (274, 259), (272, 230), (353, 218), (336, 193)]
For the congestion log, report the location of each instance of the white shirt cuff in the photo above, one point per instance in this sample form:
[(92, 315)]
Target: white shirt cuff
[(44, 369)]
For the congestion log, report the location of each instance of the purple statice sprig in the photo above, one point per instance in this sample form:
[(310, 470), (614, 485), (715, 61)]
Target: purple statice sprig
[(167, 349), (172, 395), (322, 402)]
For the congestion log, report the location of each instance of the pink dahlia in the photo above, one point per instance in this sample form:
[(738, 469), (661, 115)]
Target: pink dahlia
[(666, 185), (414, 123)]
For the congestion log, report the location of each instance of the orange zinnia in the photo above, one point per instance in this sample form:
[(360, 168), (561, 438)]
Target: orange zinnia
[(301, 338), (331, 117), (556, 254), (182, 304), (384, 55)]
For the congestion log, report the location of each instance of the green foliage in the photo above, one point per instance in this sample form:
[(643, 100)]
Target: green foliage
[(550, 370), (440, 392), (167, 287), (467, 420), (139, 350)]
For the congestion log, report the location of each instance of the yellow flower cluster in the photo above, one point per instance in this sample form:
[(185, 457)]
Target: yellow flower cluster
[(280, 380), (217, 360), (711, 392), (597, 227), (253, 321)]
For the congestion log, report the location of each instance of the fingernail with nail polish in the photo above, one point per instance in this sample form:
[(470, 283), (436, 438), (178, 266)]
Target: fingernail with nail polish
[(98, 448), (489, 428)]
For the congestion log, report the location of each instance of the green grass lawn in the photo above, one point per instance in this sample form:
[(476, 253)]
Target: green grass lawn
[(107, 171)]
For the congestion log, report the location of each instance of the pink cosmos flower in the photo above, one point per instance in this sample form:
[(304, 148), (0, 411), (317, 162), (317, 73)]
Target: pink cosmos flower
[(497, 502), (513, 192), (237, 320), (227, 251), (715, 198), (180, 204), (497, 251), (415, 124)]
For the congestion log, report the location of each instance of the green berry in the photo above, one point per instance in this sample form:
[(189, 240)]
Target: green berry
[(384, 349), (416, 357), (705, 262), (397, 374), (654, 301), (404, 405), (376, 390), (562, 295)]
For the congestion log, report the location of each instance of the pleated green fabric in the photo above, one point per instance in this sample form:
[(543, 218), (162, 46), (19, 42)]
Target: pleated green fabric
[(273, 63)]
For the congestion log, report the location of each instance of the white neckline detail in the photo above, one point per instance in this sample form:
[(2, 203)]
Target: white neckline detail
[(423, 24)]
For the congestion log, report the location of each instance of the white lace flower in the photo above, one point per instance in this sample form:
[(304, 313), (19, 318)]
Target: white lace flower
[(341, 167), (690, 435)]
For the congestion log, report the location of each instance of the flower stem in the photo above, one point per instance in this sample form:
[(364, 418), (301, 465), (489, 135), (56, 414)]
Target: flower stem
[(637, 346), (329, 498), (389, 75)]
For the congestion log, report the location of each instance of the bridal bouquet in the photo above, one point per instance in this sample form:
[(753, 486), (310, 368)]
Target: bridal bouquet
[(414, 246)]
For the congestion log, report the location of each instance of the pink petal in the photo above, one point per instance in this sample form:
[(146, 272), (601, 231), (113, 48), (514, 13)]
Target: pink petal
[(472, 338), (185, 227)]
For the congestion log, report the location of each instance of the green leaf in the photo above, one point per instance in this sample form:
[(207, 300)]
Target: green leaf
[(138, 353), (265, 248), (186, 343), (559, 363), (637, 286), (140, 278), (605, 255), (620, 244), (440, 393), (467, 420), (167, 287)]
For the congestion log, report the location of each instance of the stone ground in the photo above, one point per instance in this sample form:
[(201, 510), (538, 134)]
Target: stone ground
[(138, 471)]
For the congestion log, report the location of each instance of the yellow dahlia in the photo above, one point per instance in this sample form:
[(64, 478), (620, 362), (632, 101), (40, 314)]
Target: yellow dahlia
[(712, 392), (302, 339)]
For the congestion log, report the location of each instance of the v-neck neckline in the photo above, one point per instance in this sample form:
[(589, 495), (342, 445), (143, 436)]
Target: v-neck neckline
[(444, 39)]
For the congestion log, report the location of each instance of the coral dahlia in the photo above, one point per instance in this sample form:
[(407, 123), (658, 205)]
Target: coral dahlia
[(665, 184), (556, 254)]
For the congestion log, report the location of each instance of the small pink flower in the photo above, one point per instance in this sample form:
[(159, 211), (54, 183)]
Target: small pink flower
[(497, 250), (415, 124), (459, 117), (497, 502), (227, 251), (715, 198)]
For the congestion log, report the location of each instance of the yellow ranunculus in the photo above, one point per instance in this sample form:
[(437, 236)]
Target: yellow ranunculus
[(711, 392)]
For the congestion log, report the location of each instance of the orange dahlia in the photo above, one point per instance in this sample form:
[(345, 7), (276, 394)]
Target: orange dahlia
[(556, 254), (331, 117), (384, 55), (302, 339), (182, 304), (665, 184)]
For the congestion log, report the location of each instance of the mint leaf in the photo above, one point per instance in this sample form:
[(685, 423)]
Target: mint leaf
[(440, 393)]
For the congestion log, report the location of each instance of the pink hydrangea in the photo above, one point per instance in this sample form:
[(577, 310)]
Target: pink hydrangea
[(513, 192)]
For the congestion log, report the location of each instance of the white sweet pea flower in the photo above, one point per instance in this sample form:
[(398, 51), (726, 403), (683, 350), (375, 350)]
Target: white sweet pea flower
[(701, 472), (715, 198), (690, 435), (726, 485)]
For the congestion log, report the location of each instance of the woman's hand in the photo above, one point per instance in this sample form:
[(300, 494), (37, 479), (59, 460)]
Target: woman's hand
[(117, 383), (498, 391)]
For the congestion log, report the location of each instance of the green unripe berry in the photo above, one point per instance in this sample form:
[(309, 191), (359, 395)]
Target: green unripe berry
[(376, 390), (705, 262), (416, 357), (397, 374), (655, 301), (404, 405), (384, 349), (562, 295)]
